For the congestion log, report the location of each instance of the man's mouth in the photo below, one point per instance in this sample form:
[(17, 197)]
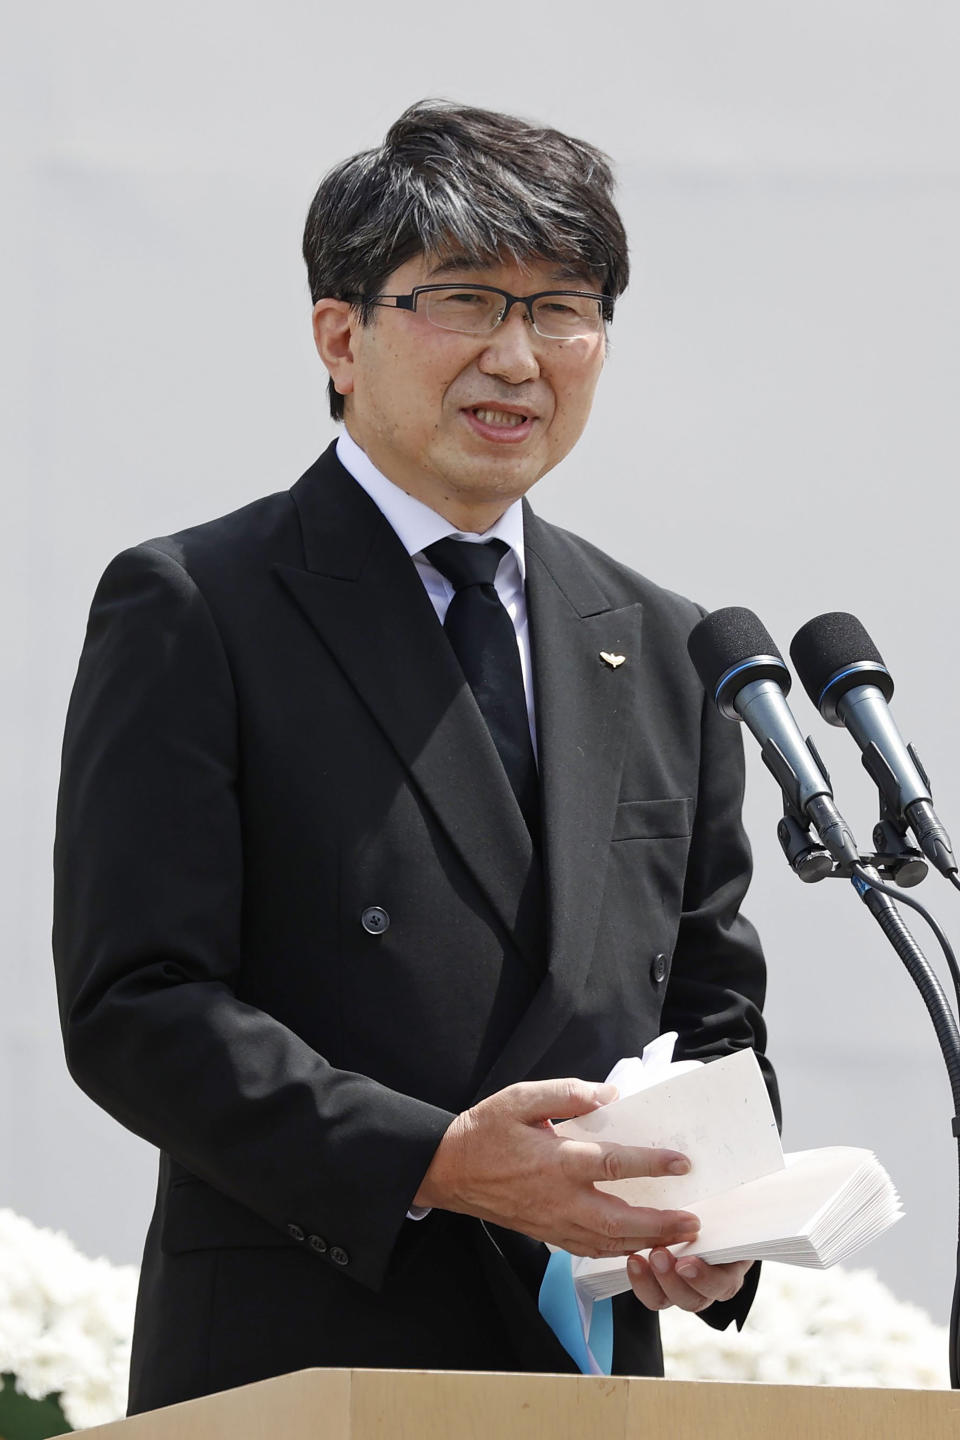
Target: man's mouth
[(506, 418), (509, 425)]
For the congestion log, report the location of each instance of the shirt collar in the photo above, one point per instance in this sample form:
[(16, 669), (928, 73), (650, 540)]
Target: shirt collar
[(416, 525)]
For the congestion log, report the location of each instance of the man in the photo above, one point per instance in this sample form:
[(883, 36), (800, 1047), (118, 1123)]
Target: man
[(345, 897)]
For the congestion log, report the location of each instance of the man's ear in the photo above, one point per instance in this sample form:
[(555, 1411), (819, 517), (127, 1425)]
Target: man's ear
[(334, 322)]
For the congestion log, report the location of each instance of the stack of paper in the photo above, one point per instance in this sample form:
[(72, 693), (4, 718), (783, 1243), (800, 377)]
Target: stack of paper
[(813, 1208)]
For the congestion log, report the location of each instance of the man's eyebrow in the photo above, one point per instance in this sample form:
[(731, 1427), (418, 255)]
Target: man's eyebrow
[(455, 263)]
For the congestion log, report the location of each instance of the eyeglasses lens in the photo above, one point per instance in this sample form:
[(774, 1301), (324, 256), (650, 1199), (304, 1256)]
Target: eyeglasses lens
[(472, 312), (565, 317), (469, 311)]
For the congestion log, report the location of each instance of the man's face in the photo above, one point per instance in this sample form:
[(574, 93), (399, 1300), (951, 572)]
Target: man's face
[(436, 411)]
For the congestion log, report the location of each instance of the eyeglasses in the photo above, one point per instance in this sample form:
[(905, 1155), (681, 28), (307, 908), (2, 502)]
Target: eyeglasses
[(478, 309)]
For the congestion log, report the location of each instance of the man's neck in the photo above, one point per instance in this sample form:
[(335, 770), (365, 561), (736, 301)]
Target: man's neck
[(417, 523), (470, 519)]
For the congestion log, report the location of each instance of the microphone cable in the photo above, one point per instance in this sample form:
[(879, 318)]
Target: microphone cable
[(879, 899), (896, 894)]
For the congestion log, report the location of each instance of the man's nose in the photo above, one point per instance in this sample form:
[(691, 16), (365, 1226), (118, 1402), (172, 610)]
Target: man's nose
[(511, 349)]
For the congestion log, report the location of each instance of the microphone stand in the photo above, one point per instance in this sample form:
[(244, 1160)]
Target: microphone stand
[(811, 862)]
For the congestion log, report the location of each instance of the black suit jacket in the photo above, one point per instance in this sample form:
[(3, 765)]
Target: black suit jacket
[(269, 737)]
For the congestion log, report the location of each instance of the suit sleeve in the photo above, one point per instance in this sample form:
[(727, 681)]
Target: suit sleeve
[(148, 943), (718, 977)]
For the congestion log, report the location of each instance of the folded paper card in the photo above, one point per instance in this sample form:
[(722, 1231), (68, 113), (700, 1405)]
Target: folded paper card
[(813, 1208)]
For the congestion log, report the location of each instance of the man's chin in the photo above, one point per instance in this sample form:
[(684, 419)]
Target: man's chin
[(498, 469), (494, 484)]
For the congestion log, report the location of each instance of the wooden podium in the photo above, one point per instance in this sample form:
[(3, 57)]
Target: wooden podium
[(446, 1405)]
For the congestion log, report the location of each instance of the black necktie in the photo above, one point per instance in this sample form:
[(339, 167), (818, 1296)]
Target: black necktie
[(485, 642)]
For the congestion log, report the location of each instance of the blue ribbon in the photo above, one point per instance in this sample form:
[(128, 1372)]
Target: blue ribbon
[(561, 1310)]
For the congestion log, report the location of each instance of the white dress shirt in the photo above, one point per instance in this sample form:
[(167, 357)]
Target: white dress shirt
[(417, 526)]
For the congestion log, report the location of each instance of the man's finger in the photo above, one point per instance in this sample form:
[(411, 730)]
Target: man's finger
[(714, 1282), (537, 1100), (645, 1284), (621, 1229), (593, 1160), (674, 1287), (692, 1284)]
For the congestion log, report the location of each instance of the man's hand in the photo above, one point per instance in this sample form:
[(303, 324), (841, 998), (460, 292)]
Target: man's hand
[(661, 1279), (502, 1161)]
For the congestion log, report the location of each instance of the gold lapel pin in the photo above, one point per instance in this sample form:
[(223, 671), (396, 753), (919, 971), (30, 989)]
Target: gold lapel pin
[(612, 660)]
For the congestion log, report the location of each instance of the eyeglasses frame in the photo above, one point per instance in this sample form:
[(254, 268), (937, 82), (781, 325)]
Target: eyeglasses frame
[(409, 302)]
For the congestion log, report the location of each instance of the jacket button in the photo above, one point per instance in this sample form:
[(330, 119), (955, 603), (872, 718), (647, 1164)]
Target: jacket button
[(658, 969), (339, 1256), (375, 920), (295, 1232), (317, 1242)]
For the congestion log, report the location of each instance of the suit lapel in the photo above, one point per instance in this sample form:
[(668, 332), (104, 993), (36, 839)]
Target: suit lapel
[(363, 596), (585, 712)]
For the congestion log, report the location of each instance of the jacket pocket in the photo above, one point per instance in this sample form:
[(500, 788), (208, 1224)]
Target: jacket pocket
[(666, 819), (197, 1217)]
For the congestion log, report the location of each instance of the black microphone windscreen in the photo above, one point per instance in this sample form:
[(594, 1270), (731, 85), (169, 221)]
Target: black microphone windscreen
[(726, 638), (834, 652)]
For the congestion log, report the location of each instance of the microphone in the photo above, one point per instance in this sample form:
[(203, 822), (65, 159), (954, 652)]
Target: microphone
[(741, 667), (843, 673)]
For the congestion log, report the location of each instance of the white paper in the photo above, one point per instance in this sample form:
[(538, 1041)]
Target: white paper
[(719, 1115), (813, 1208)]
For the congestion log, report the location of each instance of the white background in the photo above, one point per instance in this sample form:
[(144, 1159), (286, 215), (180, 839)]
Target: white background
[(777, 427)]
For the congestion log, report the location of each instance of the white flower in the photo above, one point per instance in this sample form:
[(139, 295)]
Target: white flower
[(809, 1327), (65, 1322)]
